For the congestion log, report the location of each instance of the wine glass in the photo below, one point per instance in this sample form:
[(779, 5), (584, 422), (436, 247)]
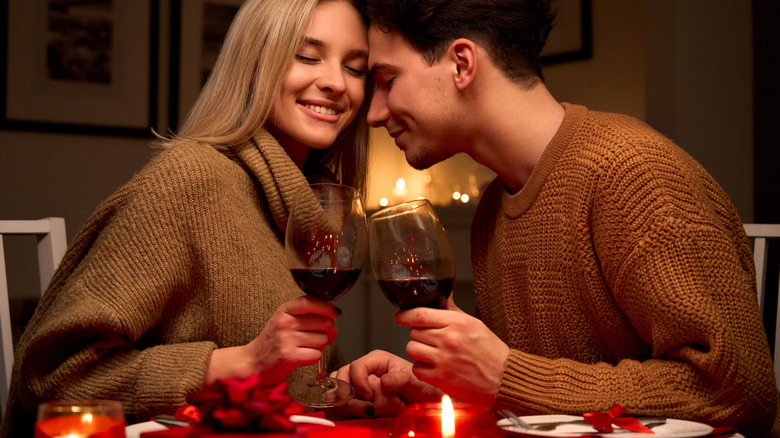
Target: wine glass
[(326, 245), (411, 255), (80, 418)]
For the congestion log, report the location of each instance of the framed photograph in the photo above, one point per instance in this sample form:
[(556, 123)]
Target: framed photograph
[(571, 38), (80, 66), (202, 24)]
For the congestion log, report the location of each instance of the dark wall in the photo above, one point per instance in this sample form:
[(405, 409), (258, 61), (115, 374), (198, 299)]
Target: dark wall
[(766, 47)]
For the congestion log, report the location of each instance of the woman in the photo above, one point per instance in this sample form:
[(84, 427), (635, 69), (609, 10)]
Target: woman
[(178, 278)]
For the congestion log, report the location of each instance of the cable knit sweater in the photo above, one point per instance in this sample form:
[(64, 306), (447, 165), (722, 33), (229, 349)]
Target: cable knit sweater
[(621, 273), (185, 258)]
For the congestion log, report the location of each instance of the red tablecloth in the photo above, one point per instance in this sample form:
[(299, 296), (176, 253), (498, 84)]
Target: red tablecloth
[(380, 427), (355, 428)]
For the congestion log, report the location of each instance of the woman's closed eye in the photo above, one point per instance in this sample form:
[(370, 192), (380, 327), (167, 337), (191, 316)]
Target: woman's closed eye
[(306, 59), (356, 71)]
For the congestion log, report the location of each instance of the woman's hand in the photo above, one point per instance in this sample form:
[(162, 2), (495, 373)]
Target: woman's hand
[(295, 335), (384, 384)]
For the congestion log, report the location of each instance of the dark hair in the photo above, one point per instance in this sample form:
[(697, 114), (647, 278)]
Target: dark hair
[(513, 32)]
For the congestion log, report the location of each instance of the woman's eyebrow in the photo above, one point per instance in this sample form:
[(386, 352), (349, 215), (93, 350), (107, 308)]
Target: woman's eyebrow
[(313, 41), (319, 43)]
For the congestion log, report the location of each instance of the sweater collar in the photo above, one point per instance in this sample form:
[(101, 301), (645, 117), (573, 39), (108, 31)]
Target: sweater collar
[(279, 178), (516, 204)]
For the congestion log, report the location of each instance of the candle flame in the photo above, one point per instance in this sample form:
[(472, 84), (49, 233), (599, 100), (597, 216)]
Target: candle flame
[(447, 418), (86, 418)]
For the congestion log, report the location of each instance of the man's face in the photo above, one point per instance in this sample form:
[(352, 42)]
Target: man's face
[(413, 100)]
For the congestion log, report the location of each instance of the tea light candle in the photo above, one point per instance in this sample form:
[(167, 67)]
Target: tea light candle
[(446, 420), (80, 426)]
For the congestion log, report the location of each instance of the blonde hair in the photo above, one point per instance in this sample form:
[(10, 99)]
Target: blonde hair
[(236, 100)]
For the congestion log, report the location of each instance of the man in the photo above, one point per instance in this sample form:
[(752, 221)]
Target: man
[(609, 267)]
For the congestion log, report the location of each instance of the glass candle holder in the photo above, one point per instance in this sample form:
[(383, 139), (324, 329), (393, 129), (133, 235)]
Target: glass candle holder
[(80, 419), (432, 420)]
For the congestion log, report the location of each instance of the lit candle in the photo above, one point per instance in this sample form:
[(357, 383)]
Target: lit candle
[(78, 426), (447, 418), (400, 186)]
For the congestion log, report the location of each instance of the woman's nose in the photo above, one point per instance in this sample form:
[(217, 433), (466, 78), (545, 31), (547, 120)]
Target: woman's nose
[(332, 79)]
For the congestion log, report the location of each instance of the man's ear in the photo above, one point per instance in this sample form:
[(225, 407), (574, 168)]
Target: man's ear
[(463, 53)]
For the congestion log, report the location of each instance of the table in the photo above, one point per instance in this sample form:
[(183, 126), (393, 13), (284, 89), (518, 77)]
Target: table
[(380, 427)]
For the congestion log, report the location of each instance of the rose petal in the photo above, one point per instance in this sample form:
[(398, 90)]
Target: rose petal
[(188, 413), (230, 418), (256, 408), (632, 424), (616, 410), (599, 420)]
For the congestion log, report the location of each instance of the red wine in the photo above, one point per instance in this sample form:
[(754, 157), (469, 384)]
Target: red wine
[(325, 284), (407, 293)]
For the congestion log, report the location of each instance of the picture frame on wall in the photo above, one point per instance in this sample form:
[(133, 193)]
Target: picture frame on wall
[(202, 24), (571, 38), (80, 66)]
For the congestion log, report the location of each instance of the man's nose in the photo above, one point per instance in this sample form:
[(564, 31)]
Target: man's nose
[(378, 113)]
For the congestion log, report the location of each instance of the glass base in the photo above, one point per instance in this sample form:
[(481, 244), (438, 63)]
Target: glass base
[(321, 393)]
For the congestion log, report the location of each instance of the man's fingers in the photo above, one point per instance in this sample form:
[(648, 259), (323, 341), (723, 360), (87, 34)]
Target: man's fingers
[(422, 317)]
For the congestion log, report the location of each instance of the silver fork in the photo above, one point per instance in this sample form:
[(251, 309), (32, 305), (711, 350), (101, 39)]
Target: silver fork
[(514, 419)]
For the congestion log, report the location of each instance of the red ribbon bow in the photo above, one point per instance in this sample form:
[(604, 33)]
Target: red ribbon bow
[(242, 405), (603, 422)]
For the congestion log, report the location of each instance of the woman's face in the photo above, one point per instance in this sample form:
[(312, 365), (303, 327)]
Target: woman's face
[(323, 88)]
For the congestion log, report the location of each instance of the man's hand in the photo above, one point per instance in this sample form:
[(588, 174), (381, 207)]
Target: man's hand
[(384, 384), (454, 352)]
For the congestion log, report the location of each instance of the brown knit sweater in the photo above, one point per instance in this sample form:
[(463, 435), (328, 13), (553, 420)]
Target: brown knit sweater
[(621, 273), (185, 258)]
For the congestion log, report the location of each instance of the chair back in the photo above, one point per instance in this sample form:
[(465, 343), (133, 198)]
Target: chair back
[(52, 243), (761, 234)]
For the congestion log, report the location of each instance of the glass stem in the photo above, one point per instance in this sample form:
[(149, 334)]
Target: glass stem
[(321, 368)]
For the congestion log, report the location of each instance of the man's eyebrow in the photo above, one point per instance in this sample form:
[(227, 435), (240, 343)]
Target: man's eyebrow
[(378, 66), (319, 43)]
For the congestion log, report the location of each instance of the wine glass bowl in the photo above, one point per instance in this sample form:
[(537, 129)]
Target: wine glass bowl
[(411, 255), (326, 247)]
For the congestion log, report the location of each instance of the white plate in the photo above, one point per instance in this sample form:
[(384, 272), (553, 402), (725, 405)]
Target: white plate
[(135, 430), (672, 429)]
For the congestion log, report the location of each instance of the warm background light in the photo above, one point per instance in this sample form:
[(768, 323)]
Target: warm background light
[(392, 180)]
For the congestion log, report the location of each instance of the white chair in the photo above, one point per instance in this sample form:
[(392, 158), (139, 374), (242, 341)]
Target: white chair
[(52, 243), (761, 234)]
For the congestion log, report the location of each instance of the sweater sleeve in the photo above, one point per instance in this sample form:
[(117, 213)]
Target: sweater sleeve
[(709, 359), (93, 334)]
